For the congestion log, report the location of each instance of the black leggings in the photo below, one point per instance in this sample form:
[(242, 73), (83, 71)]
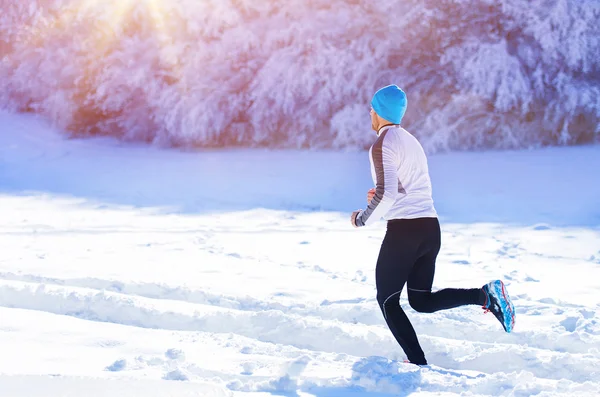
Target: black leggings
[(407, 255)]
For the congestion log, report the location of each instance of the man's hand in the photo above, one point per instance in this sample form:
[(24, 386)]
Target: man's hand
[(370, 195), (353, 218)]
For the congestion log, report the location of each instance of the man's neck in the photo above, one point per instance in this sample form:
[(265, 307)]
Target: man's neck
[(385, 126)]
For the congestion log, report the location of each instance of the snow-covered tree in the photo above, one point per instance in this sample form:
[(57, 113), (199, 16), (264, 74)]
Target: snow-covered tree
[(300, 73)]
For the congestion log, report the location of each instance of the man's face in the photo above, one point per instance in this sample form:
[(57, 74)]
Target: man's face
[(374, 121)]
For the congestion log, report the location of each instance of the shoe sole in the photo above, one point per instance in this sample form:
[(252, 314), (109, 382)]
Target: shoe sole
[(499, 291)]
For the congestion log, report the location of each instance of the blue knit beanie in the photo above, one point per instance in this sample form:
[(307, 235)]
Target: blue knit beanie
[(390, 103)]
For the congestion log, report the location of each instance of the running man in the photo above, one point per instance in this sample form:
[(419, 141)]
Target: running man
[(412, 241)]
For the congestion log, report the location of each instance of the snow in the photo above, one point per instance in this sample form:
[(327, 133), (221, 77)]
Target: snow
[(129, 270)]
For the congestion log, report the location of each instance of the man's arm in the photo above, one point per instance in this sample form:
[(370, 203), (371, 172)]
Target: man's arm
[(386, 166)]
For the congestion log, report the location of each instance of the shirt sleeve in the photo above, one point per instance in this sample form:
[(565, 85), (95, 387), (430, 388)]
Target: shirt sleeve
[(385, 162)]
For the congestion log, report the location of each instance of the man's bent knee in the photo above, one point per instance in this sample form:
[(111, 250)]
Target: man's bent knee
[(419, 301)]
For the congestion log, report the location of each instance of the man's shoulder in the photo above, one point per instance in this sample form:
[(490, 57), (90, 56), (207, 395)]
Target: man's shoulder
[(407, 138), (391, 137)]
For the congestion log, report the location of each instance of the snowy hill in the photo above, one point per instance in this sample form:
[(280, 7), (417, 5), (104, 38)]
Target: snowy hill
[(131, 271)]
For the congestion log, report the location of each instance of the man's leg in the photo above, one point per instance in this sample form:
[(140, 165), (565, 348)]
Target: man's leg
[(420, 281), (393, 267)]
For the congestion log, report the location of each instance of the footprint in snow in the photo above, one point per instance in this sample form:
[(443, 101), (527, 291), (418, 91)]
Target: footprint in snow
[(549, 301), (248, 368), (175, 354), (570, 323), (176, 374), (587, 314), (541, 226), (461, 262), (360, 277), (379, 374), (531, 279), (117, 366)]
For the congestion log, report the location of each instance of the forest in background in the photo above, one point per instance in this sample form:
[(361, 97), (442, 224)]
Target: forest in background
[(300, 73)]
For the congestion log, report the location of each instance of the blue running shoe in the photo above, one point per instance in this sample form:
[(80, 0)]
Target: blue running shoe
[(498, 302)]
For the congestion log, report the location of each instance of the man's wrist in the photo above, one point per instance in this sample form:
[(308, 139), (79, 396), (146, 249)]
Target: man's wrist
[(357, 220)]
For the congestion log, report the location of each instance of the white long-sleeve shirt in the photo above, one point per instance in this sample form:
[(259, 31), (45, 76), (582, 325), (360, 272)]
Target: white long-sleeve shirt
[(401, 177)]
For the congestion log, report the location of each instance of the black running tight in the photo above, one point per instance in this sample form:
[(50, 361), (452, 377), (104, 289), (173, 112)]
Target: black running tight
[(407, 256)]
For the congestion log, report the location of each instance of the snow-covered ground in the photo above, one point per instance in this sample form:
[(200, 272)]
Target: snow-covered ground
[(133, 271)]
